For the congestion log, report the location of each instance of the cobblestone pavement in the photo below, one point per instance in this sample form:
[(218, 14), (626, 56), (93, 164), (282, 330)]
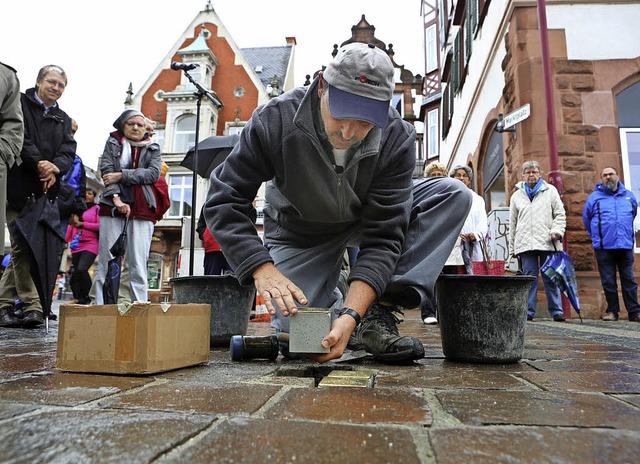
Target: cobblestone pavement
[(574, 398)]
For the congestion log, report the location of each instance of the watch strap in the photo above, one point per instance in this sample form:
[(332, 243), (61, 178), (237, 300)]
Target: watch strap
[(351, 312)]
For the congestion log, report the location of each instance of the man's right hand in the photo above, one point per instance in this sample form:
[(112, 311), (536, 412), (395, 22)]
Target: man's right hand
[(273, 285)]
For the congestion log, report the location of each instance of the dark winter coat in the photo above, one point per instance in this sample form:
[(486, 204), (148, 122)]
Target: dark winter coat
[(308, 200), (47, 136)]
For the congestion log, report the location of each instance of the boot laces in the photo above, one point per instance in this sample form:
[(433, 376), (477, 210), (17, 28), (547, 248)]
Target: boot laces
[(384, 318)]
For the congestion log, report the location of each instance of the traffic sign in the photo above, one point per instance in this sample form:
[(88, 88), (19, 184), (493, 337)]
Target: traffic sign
[(516, 116)]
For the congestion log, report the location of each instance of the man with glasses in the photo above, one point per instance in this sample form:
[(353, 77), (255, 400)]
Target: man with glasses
[(47, 154), (608, 216), (536, 226)]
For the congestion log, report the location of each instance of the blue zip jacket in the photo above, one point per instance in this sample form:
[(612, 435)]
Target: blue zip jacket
[(608, 217)]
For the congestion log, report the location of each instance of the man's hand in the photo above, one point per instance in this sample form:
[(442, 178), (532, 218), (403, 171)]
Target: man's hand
[(556, 237), (337, 339), (273, 285), (47, 173)]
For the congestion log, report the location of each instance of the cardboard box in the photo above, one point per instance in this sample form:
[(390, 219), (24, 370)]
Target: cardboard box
[(144, 340)]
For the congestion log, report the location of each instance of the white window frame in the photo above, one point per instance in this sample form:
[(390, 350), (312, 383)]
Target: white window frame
[(432, 133), (631, 168), (189, 136), (185, 190), (432, 49)]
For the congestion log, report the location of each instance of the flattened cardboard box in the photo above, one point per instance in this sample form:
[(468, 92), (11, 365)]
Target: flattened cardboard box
[(144, 340)]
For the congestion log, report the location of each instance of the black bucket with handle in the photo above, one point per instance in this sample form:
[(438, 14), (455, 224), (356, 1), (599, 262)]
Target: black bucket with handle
[(483, 317)]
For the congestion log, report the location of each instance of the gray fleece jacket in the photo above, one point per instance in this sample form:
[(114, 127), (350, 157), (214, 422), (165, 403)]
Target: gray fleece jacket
[(308, 202)]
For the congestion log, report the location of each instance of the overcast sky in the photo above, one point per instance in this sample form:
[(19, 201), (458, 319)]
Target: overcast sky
[(105, 45)]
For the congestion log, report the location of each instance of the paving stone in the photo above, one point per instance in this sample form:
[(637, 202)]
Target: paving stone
[(632, 399), (176, 396), (489, 407), (279, 441), (449, 377), (606, 382), (579, 365), (95, 436), (483, 445), (66, 388), (27, 363), (361, 405), (15, 409)]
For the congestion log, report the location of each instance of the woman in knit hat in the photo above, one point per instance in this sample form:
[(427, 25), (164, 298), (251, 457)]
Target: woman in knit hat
[(130, 164)]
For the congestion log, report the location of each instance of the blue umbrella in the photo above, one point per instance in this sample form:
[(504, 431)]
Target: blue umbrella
[(559, 269)]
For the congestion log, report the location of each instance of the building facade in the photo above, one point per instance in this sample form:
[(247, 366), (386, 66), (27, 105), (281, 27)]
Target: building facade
[(493, 67)]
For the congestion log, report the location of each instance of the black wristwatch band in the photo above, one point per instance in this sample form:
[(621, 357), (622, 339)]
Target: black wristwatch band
[(351, 312)]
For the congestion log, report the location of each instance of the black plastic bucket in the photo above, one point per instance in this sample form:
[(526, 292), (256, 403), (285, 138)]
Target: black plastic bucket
[(482, 318), (230, 302)]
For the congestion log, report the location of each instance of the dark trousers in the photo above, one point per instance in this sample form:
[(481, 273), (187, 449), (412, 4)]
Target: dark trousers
[(80, 279), (215, 263), (610, 261)]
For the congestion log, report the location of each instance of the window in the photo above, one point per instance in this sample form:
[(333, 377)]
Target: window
[(185, 135), (432, 49), (630, 144), (154, 271), (195, 74), (180, 195), (432, 131)]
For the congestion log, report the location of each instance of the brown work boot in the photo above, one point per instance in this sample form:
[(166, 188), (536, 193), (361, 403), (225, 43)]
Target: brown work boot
[(8, 318), (610, 317)]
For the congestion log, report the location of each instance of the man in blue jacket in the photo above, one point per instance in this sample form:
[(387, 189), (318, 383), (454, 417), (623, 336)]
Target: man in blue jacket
[(608, 217), (339, 163)]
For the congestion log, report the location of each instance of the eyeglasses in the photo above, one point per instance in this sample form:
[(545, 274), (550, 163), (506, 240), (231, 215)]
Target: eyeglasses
[(531, 173), (55, 83), (461, 176)]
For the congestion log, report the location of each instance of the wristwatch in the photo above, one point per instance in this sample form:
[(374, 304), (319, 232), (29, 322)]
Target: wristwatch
[(350, 312)]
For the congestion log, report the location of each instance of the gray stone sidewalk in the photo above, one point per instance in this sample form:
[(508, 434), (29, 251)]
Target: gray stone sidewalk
[(574, 398)]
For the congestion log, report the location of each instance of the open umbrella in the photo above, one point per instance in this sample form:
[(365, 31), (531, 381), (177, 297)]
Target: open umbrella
[(38, 233), (559, 269), (112, 280), (212, 151)]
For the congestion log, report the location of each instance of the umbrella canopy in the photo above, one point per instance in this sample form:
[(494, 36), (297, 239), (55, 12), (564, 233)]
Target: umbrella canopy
[(212, 151), (559, 269), (111, 284), (38, 233)]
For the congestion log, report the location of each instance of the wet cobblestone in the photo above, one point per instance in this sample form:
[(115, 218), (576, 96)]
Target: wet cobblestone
[(574, 398)]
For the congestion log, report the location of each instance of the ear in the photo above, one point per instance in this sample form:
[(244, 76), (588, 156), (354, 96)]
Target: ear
[(320, 84)]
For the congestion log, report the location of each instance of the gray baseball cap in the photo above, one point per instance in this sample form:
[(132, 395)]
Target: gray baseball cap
[(361, 83)]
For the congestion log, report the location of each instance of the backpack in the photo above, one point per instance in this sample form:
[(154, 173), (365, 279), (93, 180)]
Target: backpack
[(74, 175), (70, 200)]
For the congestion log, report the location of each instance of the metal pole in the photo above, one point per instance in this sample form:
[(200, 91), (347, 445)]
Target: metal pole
[(194, 187), (555, 176)]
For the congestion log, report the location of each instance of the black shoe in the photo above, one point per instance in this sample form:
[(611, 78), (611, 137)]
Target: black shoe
[(378, 334), (635, 318), (19, 313), (558, 318), (53, 317), (32, 319), (529, 318), (8, 318)]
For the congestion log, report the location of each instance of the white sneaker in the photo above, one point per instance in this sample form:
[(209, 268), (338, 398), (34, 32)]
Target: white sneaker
[(430, 320)]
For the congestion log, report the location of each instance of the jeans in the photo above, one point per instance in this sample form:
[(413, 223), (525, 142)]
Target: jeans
[(622, 260), (531, 262)]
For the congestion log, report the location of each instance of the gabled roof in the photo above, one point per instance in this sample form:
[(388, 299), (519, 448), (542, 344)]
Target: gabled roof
[(269, 61)]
